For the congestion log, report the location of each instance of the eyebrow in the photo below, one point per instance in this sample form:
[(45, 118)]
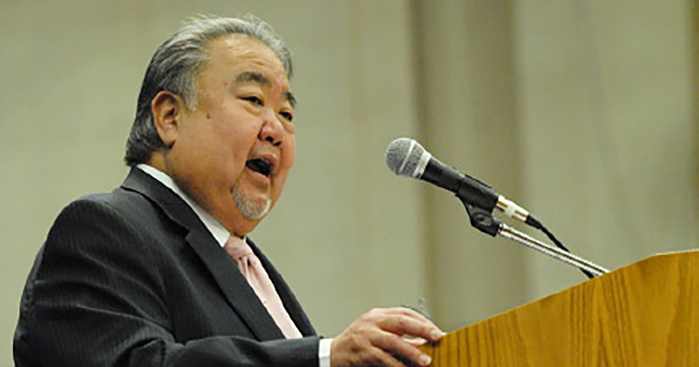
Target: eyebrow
[(292, 100), (258, 78)]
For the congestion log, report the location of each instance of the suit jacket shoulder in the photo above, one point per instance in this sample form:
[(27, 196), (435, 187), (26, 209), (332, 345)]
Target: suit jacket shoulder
[(132, 278)]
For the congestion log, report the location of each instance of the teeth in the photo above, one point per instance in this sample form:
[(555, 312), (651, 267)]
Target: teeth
[(260, 165)]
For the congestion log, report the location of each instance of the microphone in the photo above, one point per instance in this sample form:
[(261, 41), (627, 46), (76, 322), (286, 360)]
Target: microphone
[(406, 157)]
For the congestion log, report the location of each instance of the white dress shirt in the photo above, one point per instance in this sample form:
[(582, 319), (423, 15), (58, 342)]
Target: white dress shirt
[(221, 234)]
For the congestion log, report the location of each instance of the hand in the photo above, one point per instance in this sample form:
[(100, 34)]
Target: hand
[(376, 339)]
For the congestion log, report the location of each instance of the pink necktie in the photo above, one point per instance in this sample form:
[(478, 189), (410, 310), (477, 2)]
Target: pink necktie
[(258, 279)]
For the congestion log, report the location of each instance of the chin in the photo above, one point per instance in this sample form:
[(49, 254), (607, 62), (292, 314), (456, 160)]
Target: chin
[(253, 209)]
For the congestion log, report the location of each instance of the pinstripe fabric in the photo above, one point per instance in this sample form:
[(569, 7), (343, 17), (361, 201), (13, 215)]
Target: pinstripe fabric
[(253, 271), (133, 278)]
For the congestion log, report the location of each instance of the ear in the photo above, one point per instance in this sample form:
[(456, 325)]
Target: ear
[(167, 108)]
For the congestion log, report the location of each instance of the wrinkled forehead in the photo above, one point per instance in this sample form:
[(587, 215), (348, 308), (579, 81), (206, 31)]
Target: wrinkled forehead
[(245, 49), (249, 60)]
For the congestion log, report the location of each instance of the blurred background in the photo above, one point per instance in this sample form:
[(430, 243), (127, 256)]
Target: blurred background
[(584, 112)]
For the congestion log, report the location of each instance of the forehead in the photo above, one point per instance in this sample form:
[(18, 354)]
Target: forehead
[(233, 55)]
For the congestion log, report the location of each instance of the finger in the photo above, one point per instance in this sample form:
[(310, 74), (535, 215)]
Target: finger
[(401, 348), (419, 317), (410, 312), (388, 360), (417, 342), (410, 323)]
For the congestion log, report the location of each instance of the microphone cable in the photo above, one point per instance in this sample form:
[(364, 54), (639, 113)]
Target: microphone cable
[(533, 222)]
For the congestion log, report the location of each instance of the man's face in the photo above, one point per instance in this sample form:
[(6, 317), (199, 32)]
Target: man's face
[(234, 150)]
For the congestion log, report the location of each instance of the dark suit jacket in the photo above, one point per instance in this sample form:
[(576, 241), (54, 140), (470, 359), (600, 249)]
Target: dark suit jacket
[(134, 278)]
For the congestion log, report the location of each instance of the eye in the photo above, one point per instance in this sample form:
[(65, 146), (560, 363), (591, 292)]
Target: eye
[(254, 100), (288, 116)]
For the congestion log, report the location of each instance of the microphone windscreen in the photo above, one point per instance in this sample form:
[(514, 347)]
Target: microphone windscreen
[(403, 156)]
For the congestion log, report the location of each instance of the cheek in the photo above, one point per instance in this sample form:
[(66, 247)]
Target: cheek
[(291, 145), (290, 155), (287, 162), (234, 136)]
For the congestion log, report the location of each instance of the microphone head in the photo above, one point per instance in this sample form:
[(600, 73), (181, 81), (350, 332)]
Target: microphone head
[(406, 157)]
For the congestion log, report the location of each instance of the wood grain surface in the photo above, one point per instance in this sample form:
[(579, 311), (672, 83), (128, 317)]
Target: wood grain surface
[(644, 314)]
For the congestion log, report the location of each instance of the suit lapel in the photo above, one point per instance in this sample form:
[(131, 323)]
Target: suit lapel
[(234, 285), (231, 282), (291, 304)]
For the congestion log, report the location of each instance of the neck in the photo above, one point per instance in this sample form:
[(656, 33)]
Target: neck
[(236, 223)]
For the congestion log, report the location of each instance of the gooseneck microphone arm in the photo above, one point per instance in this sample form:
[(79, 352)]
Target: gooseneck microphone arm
[(486, 223), (552, 251), (406, 157)]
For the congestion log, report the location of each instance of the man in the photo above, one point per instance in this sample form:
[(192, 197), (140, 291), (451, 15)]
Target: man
[(160, 272)]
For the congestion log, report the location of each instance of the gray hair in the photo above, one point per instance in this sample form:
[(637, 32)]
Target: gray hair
[(175, 66)]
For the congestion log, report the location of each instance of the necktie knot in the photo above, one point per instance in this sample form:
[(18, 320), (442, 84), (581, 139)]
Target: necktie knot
[(237, 248)]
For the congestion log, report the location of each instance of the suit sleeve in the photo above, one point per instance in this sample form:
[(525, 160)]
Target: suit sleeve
[(94, 298)]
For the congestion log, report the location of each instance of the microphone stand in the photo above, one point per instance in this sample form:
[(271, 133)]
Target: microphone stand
[(486, 223)]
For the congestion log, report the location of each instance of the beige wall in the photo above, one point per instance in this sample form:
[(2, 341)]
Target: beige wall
[(470, 120), (608, 130), (580, 111)]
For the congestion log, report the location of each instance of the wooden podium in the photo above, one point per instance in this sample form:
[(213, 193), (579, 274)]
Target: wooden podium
[(645, 314)]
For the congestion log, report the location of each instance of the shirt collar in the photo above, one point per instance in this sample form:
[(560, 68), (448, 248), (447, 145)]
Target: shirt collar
[(219, 232)]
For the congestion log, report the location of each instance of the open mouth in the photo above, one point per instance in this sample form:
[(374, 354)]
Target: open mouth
[(260, 166)]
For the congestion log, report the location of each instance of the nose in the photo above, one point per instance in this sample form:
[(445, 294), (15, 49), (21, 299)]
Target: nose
[(272, 130)]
